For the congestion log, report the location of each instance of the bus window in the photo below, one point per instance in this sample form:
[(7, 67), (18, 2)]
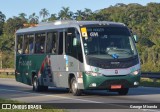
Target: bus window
[(19, 44), (60, 47), (70, 48), (40, 43), (51, 43), (79, 48), (28, 44)]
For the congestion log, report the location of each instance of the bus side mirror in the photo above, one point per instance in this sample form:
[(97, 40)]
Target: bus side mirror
[(135, 38), (75, 41)]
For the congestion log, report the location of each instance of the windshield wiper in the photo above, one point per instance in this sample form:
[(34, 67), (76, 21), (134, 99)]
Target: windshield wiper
[(114, 56), (121, 50)]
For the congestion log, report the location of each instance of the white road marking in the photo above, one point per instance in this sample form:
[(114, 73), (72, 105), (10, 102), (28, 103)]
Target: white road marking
[(52, 96), (150, 110)]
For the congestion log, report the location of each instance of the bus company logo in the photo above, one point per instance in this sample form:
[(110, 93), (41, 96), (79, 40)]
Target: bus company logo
[(6, 106), (94, 34), (116, 71), (115, 63), (22, 62)]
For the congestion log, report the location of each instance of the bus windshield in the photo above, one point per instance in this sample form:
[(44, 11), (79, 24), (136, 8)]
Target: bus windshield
[(108, 42)]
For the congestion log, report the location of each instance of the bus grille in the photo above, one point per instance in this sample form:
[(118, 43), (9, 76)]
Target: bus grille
[(113, 64)]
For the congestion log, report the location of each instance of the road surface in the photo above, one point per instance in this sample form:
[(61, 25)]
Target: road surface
[(11, 89)]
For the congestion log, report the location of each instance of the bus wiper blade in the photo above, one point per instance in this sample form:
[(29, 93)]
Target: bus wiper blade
[(114, 56), (122, 50)]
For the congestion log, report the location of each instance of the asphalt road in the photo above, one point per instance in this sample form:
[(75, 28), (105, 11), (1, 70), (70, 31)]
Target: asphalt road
[(11, 89)]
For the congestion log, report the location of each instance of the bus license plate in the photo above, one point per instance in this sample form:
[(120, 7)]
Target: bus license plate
[(116, 86)]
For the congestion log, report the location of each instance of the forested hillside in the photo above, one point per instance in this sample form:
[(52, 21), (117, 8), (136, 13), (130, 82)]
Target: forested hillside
[(143, 20)]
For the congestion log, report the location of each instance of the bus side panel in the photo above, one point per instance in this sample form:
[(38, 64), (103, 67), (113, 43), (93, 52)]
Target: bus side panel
[(58, 68), (20, 69), (62, 66), (25, 65)]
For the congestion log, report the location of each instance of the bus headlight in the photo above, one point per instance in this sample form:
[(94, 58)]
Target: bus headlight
[(93, 73), (135, 72)]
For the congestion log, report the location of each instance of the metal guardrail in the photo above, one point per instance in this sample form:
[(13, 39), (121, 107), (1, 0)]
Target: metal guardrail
[(152, 75), (7, 70)]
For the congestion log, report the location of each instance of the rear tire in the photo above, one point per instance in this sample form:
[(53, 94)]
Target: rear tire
[(123, 91), (74, 87), (44, 88), (37, 87)]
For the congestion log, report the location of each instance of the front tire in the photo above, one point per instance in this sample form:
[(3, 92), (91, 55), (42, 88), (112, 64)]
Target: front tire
[(74, 87)]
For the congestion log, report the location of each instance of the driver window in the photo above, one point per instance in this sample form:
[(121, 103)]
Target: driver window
[(70, 48)]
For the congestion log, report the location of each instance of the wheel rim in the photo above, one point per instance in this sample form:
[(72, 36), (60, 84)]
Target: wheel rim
[(35, 84), (74, 86)]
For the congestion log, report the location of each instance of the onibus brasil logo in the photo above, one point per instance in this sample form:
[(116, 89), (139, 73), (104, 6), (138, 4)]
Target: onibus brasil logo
[(20, 106)]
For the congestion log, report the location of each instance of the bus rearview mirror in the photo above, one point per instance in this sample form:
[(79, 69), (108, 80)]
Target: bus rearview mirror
[(75, 41), (135, 38)]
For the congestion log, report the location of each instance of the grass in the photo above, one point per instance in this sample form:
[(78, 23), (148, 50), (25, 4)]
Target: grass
[(3, 75), (147, 82), (8, 101), (3, 101)]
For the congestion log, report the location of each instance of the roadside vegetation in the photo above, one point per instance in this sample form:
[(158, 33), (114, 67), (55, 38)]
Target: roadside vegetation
[(146, 82), (4, 75), (143, 20)]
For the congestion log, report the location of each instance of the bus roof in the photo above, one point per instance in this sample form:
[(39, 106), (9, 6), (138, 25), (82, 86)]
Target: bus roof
[(64, 24)]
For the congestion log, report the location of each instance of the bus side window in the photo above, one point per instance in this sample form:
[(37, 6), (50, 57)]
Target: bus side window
[(28, 44), (51, 43), (31, 44), (19, 44), (40, 43), (60, 46), (69, 48)]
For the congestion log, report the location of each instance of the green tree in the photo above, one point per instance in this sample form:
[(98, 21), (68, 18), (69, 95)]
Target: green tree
[(33, 19), (23, 17), (88, 14), (7, 40), (2, 19), (79, 15), (12, 25), (65, 13), (44, 13), (53, 17)]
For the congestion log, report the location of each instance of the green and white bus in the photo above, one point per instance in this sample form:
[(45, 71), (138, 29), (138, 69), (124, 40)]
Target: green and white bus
[(78, 55)]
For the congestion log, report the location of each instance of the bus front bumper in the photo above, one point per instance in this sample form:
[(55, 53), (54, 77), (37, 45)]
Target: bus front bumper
[(107, 82)]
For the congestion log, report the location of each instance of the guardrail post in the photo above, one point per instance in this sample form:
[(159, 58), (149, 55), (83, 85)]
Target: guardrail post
[(154, 81)]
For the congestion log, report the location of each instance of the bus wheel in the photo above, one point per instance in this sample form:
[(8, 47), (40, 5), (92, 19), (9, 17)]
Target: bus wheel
[(123, 91), (36, 86), (44, 88), (74, 87)]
